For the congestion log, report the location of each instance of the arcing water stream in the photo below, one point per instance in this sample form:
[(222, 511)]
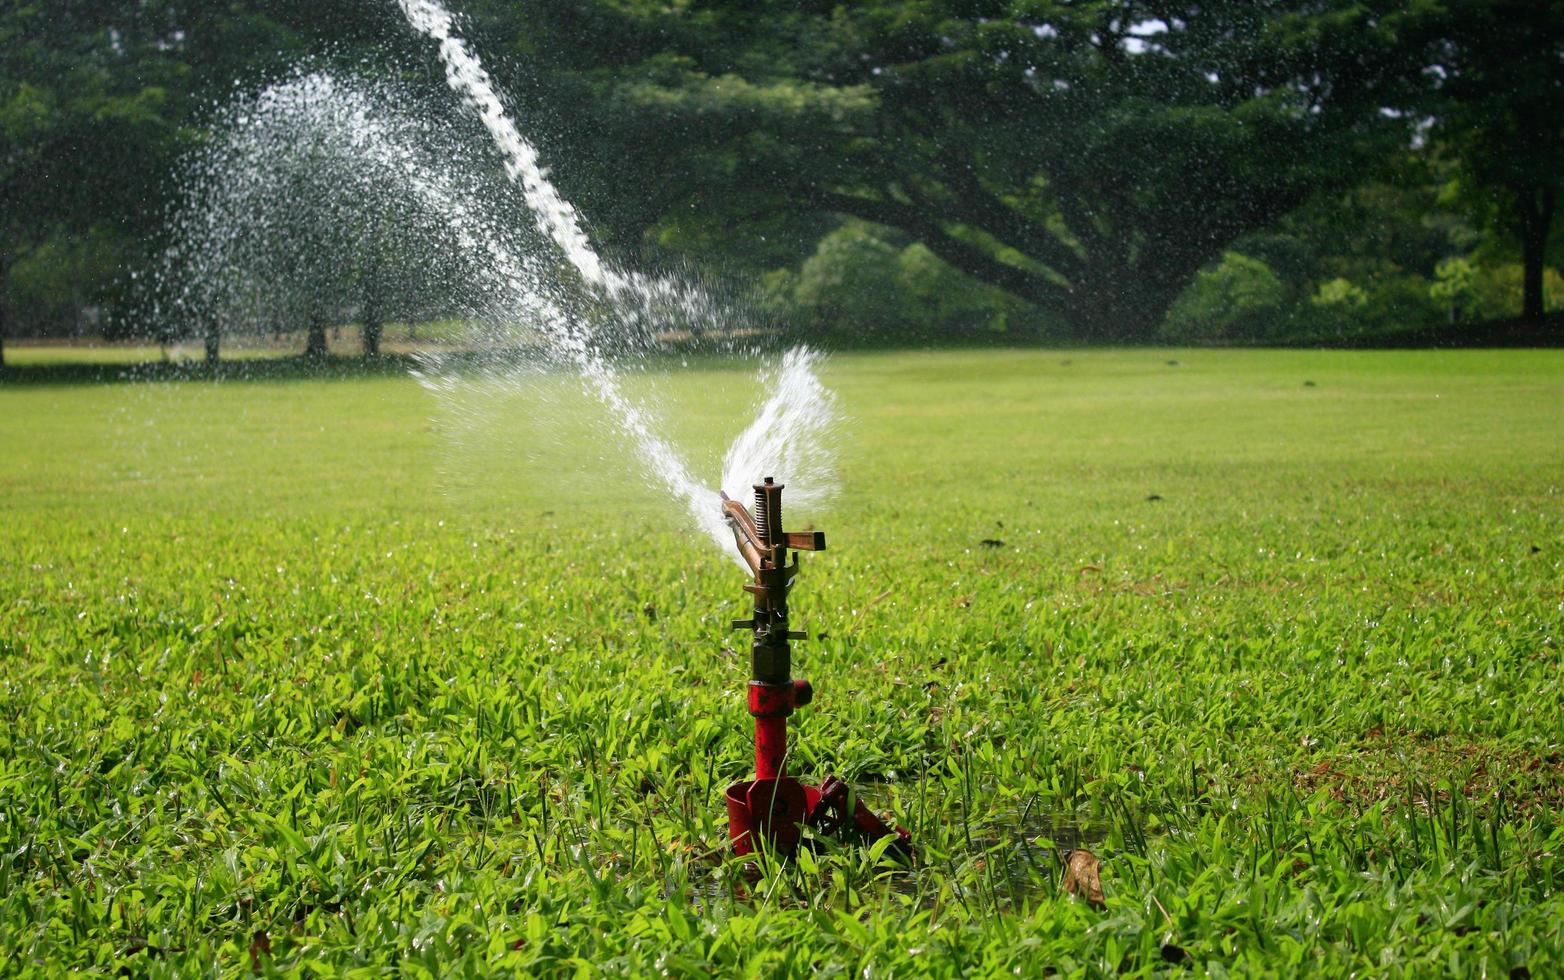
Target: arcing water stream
[(789, 420), (306, 179), (798, 407)]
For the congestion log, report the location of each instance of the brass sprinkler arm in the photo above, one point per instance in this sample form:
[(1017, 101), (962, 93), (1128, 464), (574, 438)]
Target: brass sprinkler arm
[(764, 547), (745, 534), (758, 552)]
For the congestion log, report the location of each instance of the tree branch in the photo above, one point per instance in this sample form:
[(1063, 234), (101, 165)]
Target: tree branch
[(962, 255), (982, 208)]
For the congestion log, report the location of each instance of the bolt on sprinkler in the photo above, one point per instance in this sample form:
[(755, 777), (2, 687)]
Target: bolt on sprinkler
[(773, 807)]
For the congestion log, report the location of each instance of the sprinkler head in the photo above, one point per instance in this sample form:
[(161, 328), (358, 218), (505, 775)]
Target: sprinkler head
[(773, 807), (764, 545)]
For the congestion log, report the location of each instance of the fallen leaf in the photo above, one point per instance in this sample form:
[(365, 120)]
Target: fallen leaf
[(260, 945), (1082, 876)]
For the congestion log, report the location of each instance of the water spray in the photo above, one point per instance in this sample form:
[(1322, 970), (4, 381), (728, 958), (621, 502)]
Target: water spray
[(770, 810)]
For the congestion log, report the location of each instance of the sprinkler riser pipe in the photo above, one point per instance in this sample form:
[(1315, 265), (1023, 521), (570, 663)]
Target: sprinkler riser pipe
[(770, 664), (770, 705), (770, 748)]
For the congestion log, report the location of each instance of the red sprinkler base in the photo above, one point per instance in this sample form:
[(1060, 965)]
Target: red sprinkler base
[(775, 810), (773, 807)]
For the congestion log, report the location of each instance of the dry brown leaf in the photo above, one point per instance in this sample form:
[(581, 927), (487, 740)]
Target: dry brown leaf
[(260, 946), (1082, 876)]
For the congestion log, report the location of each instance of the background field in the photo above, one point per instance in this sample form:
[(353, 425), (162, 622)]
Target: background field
[(334, 672)]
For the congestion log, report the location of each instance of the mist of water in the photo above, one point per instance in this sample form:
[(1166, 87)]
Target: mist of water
[(320, 193), (791, 437), (787, 435)]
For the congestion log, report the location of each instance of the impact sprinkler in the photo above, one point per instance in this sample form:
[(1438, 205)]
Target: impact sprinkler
[(773, 807)]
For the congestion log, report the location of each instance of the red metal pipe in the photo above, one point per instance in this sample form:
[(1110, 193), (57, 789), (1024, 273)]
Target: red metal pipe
[(771, 704), (770, 747)]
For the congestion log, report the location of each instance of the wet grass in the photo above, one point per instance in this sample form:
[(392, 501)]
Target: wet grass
[(314, 674)]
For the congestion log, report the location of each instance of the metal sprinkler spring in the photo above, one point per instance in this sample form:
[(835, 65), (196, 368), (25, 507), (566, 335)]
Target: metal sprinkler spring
[(773, 807)]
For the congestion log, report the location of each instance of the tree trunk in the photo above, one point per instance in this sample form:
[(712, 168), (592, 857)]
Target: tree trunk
[(5, 269), (1100, 310), (1536, 217), (372, 332), (212, 341), (315, 346), (372, 328)]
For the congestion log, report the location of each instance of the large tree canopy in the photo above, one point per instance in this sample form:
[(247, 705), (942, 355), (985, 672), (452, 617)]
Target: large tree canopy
[(1089, 157)]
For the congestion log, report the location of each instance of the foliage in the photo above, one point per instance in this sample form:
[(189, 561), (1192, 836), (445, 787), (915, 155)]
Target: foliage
[(859, 283), (1455, 285), (70, 114), (1237, 298), (348, 697), (853, 278), (1500, 288), (98, 100), (66, 282), (1498, 101), (1087, 157), (1470, 290), (1390, 258)]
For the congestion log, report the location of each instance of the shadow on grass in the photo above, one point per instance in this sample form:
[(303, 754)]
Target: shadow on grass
[(335, 367), (1515, 332), (294, 368), (1511, 333)]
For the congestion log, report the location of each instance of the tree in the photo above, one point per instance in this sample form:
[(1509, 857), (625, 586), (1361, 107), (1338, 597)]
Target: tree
[(1240, 297), (1498, 73), (1088, 157), (98, 99), (84, 128)]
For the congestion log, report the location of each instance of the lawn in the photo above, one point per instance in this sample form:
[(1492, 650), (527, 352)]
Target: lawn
[(333, 674)]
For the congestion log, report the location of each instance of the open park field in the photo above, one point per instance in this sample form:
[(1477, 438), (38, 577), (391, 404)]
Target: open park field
[(330, 673)]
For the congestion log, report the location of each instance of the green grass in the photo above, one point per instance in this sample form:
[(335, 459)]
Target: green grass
[(316, 675)]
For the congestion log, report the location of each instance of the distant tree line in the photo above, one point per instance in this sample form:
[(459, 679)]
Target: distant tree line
[(1097, 170)]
